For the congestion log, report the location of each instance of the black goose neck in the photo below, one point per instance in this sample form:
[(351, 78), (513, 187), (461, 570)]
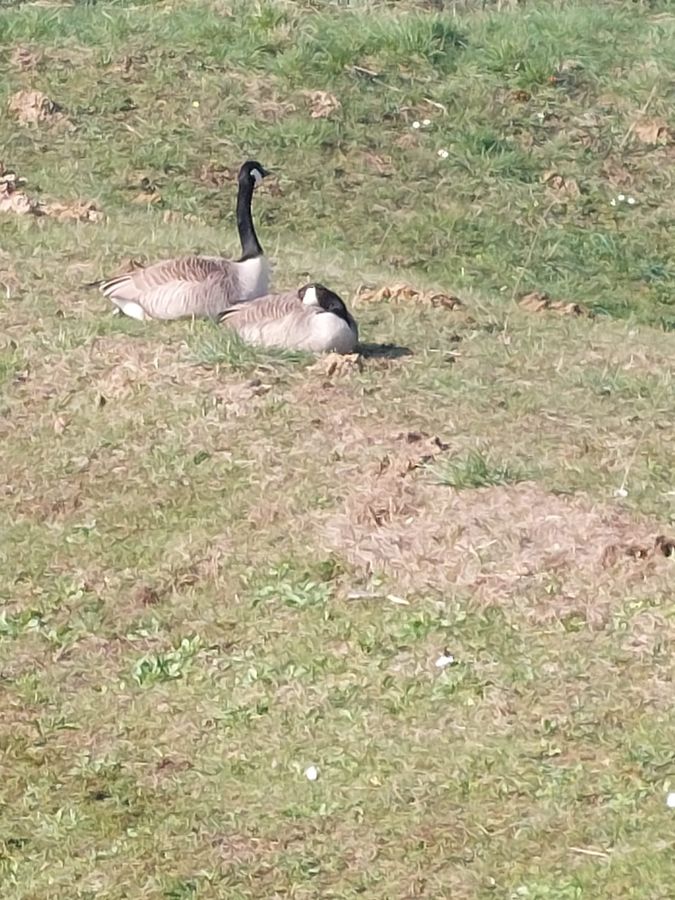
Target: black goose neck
[(250, 245)]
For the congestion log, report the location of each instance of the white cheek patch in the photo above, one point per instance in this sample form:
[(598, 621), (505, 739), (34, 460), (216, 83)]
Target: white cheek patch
[(257, 176), (310, 298)]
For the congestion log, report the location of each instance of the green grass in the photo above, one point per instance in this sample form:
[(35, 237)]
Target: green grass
[(476, 470), (221, 565), (215, 346)]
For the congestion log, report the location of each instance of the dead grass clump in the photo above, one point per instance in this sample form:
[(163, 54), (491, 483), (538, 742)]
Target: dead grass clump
[(34, 107), (660, 546), (413, 450), (267, 101), (405, 293), (14, 200), (616, 173), (562, 554), (273, 110), (11, 198), (652, 131), (241, 398), (379, 163), (216, 175), (538, 301), (127, 264), (129, 65), (24, 58), (560, 185), (389, 500), (77, 211), (322, 105), (116, 365), (337, 364)]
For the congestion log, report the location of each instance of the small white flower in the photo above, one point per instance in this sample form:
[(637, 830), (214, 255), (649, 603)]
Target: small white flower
[(620, 197), (541, 116), (426, 122), (670, 800), (631, 201), (445, 659), (195, 103), (311, 773), (416, 124), (621, 492), (443, 154), (612, 202)]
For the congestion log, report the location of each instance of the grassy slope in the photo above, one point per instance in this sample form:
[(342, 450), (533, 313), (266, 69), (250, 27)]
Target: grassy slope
[(178, 643)]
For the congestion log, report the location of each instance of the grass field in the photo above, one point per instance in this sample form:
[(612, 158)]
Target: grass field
[(440, 573)]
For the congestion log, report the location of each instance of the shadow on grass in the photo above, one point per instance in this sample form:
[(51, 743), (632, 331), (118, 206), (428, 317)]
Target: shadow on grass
[(386, 351)]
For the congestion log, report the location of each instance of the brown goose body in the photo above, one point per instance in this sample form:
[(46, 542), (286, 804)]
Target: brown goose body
[(311, 319), (198, 286)]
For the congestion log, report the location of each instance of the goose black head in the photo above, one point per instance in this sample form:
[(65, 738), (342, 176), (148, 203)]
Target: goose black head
[(252, 171), (316, 294)]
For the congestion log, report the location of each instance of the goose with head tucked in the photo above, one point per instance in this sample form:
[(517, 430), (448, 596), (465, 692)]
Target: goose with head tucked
[(198, 286), (313, 319)]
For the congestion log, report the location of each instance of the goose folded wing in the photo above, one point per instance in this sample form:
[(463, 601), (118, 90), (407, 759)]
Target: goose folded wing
[(271, 320), (270, 308), (176, 288)]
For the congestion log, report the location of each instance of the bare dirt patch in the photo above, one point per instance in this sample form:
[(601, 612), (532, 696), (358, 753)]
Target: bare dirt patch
[(565, 555)]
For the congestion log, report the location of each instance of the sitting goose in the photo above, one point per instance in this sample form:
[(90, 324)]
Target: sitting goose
[(199, 286), (312, 318)]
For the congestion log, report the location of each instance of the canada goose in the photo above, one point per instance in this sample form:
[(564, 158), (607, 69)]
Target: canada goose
[(312, 318), (199, 286)]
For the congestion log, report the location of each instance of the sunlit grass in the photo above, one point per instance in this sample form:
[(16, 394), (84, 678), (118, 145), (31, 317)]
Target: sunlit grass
[(205, 546)]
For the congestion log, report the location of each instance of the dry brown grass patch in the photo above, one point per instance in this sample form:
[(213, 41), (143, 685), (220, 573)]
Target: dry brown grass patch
[(116, 365), (564, 555)]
